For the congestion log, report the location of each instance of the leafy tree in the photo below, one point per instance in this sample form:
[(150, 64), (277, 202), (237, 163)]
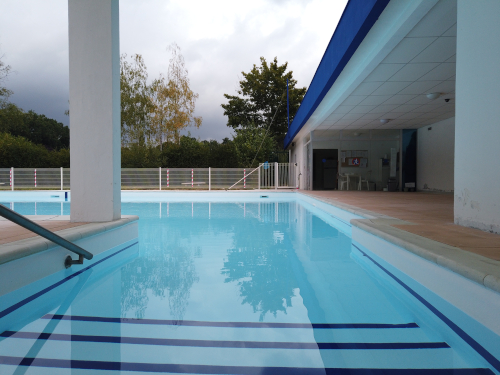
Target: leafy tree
[(261, 95), (173, 100), (16, 151), (35, 127), (140, 156), (156, 113), (135, 100), (4, 92), (12, 120), (252, 145)]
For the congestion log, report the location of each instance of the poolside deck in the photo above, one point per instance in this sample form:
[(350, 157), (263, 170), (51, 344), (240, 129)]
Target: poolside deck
[(17, 242), (430, 215), (10, 232)]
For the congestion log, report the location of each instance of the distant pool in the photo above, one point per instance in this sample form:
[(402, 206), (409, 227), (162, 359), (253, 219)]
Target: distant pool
[(233, 284)]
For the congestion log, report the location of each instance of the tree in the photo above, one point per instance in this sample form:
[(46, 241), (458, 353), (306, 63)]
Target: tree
[(135, 100), (17, 151), (261, 95), (35, 127), (173, 101), (253, 145), (4, 92)]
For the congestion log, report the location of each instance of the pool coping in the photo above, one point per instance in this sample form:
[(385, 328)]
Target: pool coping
[(482, 270), (33, 245)]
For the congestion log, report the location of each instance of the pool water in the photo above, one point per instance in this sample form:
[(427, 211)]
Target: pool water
[(231, 288)]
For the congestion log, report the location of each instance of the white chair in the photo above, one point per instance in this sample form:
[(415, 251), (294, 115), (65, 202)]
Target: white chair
[(343, 180), (362, 181)]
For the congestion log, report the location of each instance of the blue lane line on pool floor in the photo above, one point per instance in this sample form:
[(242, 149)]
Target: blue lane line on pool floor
[(195, 323), (492, 360), (235, 370), (55, 285), (224, 344)]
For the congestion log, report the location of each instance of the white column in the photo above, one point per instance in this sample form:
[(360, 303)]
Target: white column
[(276, 176), (477, 132), (94, 91), (258, 176)]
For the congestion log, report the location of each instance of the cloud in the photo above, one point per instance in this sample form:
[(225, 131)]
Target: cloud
[(218, 39)]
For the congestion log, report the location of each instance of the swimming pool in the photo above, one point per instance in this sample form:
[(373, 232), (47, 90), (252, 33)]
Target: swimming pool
[(251, 284)]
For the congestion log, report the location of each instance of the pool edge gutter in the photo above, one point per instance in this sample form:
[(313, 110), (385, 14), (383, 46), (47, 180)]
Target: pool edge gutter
[(482, 270), (28, 260)]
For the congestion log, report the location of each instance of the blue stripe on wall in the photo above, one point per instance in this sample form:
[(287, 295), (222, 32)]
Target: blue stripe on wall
[(358, 18), (55, 285), (237, 370), (194, 323), (492, 360), (223, 344)]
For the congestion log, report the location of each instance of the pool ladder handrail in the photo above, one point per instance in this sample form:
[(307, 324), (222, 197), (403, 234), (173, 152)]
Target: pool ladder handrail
[(51, 236)]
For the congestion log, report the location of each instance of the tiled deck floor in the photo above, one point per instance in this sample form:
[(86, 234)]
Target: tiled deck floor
[(431, 213), (10, 232)]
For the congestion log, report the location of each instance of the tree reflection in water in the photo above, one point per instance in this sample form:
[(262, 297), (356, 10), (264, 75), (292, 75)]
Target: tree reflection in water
[(164, 270), (168, 273), (259, 263)]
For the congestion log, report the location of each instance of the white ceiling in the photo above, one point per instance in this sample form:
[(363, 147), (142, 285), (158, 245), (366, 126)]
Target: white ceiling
[(423, 62)]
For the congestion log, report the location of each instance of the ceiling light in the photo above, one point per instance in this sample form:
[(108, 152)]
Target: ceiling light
[(433, 95), (384, 120)]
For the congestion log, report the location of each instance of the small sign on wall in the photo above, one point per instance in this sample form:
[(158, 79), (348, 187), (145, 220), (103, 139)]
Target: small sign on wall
[(354, 158)]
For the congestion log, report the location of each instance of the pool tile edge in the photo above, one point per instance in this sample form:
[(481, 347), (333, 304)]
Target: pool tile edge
[(29, 246), (472, 266)]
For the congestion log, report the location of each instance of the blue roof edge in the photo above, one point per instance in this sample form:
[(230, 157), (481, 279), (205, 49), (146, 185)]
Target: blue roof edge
[(357, 20)]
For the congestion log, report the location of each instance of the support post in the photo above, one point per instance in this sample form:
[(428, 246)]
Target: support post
[(159, 174), (209, 178), (276, 176), (258, 185), (12, 178), (94, 93), (477, 202)]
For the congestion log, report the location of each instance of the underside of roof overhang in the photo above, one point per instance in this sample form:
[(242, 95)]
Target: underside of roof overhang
[(407, 55)]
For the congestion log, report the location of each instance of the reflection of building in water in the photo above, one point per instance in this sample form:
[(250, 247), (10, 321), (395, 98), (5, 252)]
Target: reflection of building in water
[(277, 212), (278, 236)]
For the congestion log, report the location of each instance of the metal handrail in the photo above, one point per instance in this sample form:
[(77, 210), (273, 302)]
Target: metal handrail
[(51, 236), (244, 176)]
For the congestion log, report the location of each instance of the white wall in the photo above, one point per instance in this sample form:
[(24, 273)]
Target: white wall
[(299, 156), (477, 128), (94, 91), (377, 149), (436, 156)]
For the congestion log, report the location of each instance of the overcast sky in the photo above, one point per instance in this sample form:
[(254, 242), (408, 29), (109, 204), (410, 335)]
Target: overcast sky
[(218, 39)]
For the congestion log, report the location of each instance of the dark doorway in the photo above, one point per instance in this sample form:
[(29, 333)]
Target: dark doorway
[(325, 166), (409, 162)]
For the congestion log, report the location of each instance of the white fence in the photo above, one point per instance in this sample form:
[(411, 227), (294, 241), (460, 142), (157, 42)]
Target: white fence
[(266, 176)]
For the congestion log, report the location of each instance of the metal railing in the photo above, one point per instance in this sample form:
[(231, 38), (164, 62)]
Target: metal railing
[(45, 233), (277, 176), (267, 176)]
